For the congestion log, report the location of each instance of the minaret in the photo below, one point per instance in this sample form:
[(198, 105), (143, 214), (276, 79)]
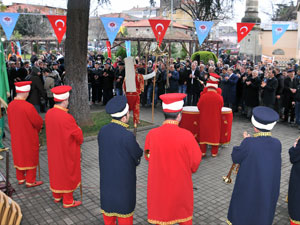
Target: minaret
[(251, 44)]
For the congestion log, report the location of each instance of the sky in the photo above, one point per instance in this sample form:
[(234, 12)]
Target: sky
[(119, 5)]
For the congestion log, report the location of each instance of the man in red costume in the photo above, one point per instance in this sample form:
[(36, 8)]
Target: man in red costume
[(25, 124), (173, 156), (210, 107), (64, 138)]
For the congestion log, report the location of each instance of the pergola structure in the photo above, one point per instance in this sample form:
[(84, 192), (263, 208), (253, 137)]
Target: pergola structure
[(141, 49)]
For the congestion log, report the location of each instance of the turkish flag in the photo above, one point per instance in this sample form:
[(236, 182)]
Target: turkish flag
[(108, 49), (59, 24), (243, 29), (159, 28)]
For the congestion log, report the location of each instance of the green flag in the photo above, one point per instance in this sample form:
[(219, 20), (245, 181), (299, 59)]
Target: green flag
[(4, 86)]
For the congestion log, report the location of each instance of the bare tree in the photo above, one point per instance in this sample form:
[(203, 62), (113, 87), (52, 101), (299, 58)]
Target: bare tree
[(207, 10)]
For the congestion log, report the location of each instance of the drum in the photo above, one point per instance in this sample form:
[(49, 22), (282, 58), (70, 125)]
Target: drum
[(190, 120), (226, 125)]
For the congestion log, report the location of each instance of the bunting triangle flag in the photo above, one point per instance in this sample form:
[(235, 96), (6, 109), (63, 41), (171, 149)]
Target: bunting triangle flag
[(243, 30), (8, 22), (112, 26), (159, 28), (203, 28), (59, 25), (277, 31), (128, 48)]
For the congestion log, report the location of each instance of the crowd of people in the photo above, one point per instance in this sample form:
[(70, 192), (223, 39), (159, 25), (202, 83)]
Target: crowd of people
[(172, 153), (244, 84)]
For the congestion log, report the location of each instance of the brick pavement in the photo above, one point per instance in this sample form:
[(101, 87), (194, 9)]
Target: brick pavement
[(211, 197)]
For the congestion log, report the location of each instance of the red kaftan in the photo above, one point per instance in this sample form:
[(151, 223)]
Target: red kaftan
[(64, 138), (174, 156), (210, 106), (25, 124)]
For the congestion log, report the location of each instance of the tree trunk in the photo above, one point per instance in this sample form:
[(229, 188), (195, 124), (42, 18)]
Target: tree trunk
[(75, 59)]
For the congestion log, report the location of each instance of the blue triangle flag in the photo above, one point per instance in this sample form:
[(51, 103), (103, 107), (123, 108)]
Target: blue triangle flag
[(112, 26), (128, 48), (203, 28), (8, 22), (277, 31)]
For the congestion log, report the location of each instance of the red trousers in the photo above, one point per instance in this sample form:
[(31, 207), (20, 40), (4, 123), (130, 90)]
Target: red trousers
[(28, 175), (133, 100), (214, 149), (67, 198), (111, 220)]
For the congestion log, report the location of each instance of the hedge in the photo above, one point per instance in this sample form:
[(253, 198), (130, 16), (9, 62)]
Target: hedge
[(204, 56)]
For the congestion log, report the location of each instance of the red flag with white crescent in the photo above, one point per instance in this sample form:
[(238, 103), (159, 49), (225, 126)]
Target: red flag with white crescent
[(159, 28), (59, 25), (243, 29), (108, 49)]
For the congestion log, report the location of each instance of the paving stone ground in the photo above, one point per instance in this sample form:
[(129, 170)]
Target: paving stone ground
[(211, 194)]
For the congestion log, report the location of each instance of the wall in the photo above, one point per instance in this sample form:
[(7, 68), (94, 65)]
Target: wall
[(288, 43)]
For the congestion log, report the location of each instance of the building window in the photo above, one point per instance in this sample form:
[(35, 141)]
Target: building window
[(148, 30), (278, 52), (136, 29)]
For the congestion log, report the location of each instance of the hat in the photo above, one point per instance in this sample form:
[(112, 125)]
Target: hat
[(172, 103), (46, 70), (117, 107), (23, 87), (54, 63), (214, 77), (290, 71), (264, 118), (61, 93), (121, 64)]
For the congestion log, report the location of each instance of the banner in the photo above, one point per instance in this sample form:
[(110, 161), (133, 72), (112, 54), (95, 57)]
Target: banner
[(8, 22), (108, 49), (112, 27), (128, 48), (243, 29), (19, 47), (277, 31), (159, 28), (4, 86), (12, 47), (203, 28), (268, 59), (59, 25)]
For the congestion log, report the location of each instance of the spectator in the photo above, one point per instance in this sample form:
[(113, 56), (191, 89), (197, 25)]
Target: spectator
[(173, 77), (96, 83), (252, 85), (193, 85), (119, 77), (229, 89), (108, 83), (290, 87), (269, 86), (49, 84)]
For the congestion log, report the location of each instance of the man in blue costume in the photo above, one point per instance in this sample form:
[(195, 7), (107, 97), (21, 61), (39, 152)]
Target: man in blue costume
[(257, 185), (294, 186), (119, 154)]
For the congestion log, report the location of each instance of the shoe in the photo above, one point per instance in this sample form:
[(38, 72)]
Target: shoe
[(37, 183), (21, 182), (75, 203), (214, 155), (4, 149), (203, 154)]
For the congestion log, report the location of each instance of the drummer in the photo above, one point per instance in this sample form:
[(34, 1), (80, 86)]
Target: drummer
[(210, 106)]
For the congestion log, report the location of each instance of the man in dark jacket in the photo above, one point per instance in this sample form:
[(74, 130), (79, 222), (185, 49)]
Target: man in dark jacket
[(279, 91), (108, 83), (119, 76), (252, 85), (193, 85), (290, 88), (229, 89), (173, 78), (96, 83), (269, 87), (37, 91), (118, 161)]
